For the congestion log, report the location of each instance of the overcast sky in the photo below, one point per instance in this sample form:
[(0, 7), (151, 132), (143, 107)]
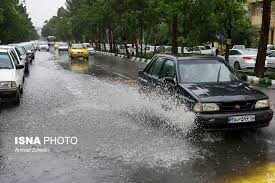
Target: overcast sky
[(41, 10)]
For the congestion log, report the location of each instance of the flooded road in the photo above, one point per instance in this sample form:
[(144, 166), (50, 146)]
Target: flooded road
[(123, 135)]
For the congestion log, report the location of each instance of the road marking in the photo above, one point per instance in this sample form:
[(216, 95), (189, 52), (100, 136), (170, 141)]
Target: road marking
[(121, 75)]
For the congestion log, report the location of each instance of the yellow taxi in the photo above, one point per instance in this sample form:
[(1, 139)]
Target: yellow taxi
[(78, 50)]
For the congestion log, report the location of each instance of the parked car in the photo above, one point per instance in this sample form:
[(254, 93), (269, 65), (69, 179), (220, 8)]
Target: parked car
[(20, 54), (78, 50), (242, 59), (43, 46), (210, 88), (30, 50), (63, 46), (11, 77), (202, 50), (271, 60), (239, 47)]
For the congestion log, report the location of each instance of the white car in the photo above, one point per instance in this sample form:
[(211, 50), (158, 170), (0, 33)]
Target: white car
[(43, 46), (63, 47), (20, 59), (11, 77), (91, 50), (242, 59), (202, 50), (271, 60)]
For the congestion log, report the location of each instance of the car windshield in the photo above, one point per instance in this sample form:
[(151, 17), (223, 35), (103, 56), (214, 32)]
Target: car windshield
[(63, 44), (250, 52), (205, 71), (78, 46), (5, 62)]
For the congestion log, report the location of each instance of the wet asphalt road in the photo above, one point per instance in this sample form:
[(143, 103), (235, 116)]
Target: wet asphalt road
[(123, 136)]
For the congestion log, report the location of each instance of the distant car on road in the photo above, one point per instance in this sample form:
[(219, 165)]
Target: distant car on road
[(211, 89), (43, 46), (78, 50), (11, 77), (63, 46), (242, 59), (91, 50)]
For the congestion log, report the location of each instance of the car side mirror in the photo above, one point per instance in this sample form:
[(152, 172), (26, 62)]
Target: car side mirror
[(169, 80), (19, 66), (140, 73)]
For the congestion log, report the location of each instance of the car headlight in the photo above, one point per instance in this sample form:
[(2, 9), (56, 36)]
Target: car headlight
[(7, 84), (262, 104), (206, 107)]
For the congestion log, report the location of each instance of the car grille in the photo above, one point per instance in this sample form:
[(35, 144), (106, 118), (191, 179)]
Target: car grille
[(237, 106)]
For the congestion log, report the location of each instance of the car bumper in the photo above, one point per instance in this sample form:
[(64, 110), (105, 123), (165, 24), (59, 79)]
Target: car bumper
[(80, 55), (248, 65), (220, 121), (63, 49), (9, 95)]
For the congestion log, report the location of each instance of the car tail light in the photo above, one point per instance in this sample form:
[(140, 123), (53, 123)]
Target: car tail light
[(248, 58)]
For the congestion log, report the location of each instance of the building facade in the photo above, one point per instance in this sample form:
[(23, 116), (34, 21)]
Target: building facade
[(255, 14)]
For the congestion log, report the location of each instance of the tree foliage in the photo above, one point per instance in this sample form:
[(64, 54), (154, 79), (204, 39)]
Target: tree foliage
[(155, 22), (15, 24)]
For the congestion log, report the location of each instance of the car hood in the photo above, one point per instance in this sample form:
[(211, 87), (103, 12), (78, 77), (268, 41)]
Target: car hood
[(7, 74), (223, 92), (78, 50)]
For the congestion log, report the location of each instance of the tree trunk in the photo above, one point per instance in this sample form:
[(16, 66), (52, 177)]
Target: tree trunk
[(175, 34), (136, 43), (104, 44), (110, 39), (127, 51), (227, 47), (261, 57), (141, 39)]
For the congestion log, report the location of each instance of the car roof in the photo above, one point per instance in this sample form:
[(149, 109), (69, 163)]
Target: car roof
[(3, 50), (7, 46), (181, 57)]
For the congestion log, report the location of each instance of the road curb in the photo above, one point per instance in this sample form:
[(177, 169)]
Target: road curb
[(261, 81), (135, 59)]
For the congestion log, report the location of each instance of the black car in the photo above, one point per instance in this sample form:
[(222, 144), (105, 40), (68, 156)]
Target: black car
[(210, 88)]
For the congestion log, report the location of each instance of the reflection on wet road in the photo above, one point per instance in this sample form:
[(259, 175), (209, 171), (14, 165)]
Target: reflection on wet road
[(123, 135)]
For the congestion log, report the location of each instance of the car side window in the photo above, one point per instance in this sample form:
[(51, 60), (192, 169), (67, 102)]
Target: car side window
[(168, 69), (231, 52), (156, 67), (14, 57), (237, 53)]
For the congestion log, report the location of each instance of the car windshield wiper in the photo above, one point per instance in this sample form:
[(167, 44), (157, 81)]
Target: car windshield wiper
[(219, 73), (5, 67)]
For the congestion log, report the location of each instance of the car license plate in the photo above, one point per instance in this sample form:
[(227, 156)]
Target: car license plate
[(241, 119)]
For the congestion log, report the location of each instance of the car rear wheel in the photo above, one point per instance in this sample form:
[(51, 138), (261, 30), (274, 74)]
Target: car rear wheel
[(237, 66)]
